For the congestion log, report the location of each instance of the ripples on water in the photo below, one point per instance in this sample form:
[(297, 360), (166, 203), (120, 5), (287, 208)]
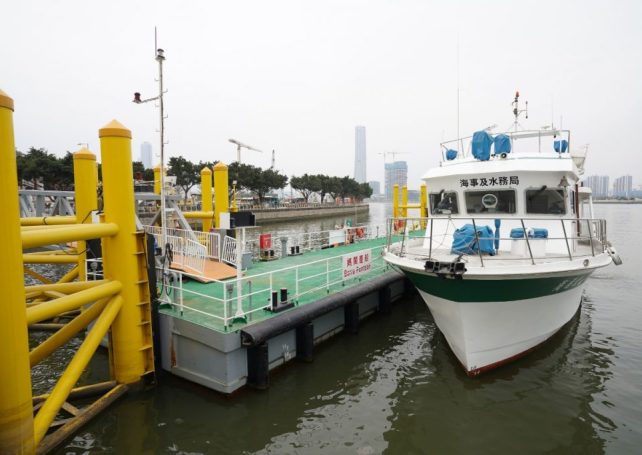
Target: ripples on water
[(396, 388)]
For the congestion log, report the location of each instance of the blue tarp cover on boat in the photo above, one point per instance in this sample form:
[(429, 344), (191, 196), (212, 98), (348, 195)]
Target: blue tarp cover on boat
[(502, 144), (538, 233), (481, 145), (464, 241), (560, 146), (451, 154)]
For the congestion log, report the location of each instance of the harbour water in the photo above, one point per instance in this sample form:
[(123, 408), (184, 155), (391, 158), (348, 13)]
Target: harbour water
[(396, 388)]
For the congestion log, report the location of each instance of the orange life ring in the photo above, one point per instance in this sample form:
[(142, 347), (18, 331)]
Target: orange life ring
[(360, 233)]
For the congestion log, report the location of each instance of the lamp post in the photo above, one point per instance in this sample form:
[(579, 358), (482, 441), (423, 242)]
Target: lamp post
[(160, 58)]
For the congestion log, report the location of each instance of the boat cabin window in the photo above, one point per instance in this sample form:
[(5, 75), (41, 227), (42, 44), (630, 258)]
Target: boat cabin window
[(486, 201), (443, 203), (549, 201)]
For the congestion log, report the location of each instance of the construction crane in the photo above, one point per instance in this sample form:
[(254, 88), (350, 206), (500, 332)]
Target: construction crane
[(240, 145), (391, 153)]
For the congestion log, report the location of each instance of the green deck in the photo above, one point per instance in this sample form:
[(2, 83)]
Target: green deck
[(207, 304)]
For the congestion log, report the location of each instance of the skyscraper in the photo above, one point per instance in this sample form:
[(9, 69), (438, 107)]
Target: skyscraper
[(623, 186), (360, 154), (396, 173), (376, 187), (146, 155), (599, 185)]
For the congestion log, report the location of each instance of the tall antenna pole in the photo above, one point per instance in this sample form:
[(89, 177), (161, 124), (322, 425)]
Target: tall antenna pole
[(458, 88), (160, 57)]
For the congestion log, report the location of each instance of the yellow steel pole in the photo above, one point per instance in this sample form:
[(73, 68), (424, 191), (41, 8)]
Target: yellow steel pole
[(48, 310), (69, 276), (85, 185), (47, 220), (157, 179), (395, 201), (423, 204), (66, 332), (16, 411), (49, 259), (120, 254), (404, 201), (221, 201), (206, 197), (59, 394), (65, 287), (41, 237)]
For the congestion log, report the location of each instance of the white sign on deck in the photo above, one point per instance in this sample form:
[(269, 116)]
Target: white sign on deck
[(357, 263)]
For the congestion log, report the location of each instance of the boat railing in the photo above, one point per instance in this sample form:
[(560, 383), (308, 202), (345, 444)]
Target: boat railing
[(463, 144), (248, 298), (566, 239)]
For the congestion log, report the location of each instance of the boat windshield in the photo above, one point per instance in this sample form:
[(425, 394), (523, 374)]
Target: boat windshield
[(545, 200), (444, 203), (485, 201)]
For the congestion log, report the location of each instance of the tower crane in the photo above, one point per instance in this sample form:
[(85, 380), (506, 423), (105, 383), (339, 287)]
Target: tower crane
[(391, 153), (240, 145)]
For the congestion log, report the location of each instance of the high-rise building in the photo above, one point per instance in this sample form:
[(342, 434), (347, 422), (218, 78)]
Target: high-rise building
[(376, 187), (360, 154), (623, 186), (396, 173), (599, 185), (146, 155)]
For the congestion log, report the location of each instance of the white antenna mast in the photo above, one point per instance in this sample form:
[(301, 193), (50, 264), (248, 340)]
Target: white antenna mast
[(517, 111), (160, 58)]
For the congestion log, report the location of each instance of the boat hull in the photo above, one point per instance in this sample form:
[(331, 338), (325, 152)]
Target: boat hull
[(490, 322)]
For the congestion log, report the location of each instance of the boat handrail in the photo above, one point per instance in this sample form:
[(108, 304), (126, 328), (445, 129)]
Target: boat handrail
[(566, 244), (462, 144)]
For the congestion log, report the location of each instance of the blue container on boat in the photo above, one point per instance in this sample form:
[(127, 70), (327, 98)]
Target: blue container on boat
[(538, 233), (451, 154), (560, 146), (517, 233), (502, 144), (481, 145), (465, 241)]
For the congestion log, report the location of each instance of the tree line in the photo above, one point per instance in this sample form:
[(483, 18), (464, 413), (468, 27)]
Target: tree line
[(38, 165)]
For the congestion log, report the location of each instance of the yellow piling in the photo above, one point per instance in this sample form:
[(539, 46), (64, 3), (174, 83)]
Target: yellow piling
[(206, 196), (404, 201), (120, 254), (395, 201), (423, 204), (16, 411), (85, 184), (221, 204), (157, 179)]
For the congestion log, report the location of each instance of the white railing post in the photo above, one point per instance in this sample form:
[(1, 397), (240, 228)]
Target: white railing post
[(327, 275), (296, 282)]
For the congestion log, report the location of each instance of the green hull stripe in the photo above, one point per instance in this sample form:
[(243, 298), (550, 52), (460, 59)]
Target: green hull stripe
[(467, 290)]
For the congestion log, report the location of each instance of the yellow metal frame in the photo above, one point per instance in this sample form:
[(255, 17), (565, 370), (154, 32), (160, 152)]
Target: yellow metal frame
[(120, 302)]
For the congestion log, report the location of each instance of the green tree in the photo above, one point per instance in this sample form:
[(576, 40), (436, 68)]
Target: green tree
[(306, 185), (258, 181), (365, 191), (187, 173)]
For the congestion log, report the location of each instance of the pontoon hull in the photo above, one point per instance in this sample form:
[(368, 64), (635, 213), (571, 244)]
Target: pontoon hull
[(493, 330)]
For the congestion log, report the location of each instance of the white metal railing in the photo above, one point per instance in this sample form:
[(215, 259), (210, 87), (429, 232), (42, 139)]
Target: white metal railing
[(569, 239), (229, 250), (210, 240), (245, 296), (316, 240), (94, 269)]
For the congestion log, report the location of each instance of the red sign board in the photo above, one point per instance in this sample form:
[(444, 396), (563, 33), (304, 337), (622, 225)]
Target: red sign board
[(265, 241)]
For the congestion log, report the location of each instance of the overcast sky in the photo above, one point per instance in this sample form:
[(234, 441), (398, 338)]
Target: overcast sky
[(298, 76)]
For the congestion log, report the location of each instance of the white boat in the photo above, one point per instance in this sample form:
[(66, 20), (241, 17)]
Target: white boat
[(510, 239)]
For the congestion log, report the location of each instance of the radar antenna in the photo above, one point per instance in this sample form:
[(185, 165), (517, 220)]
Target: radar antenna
[(517, 111)]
